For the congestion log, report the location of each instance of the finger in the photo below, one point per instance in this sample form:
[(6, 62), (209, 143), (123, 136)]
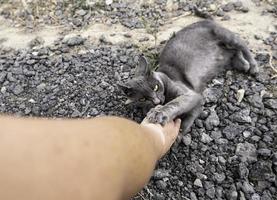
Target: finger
[(177, 123)]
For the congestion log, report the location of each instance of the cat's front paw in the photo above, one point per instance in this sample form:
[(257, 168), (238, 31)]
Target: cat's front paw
[(157, 116)]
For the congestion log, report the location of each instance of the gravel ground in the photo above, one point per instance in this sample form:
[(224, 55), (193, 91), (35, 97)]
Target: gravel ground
[(231, 152)]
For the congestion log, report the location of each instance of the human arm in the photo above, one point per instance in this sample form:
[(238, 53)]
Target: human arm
[(101, 158)]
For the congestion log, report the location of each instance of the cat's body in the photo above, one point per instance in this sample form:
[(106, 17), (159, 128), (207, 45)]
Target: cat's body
[(190, 59)]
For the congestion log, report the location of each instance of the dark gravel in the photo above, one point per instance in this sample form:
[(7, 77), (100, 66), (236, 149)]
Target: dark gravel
[(230, 152)]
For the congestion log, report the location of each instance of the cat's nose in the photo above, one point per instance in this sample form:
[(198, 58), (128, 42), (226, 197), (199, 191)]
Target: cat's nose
[(156, 101)]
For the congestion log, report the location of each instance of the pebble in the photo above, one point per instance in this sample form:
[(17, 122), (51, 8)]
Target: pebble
[(246, 134), (81, 12), (231, 131), (264, 152), (75, 40), (228, 7), (17, 89), (244, 9), (186, 139), (271, 103), (160, 174), (255, 197), (243, 171), (242, 116), (219, 177), (212, 120), (205, 138), (198, 183), (247, 188), (161, 184), (246, 151)]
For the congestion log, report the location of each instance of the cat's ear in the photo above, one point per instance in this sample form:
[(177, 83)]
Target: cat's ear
[(143, 68), (125, 88)]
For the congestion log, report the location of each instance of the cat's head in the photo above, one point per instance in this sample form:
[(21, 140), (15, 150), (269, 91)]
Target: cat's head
[(146, 88)]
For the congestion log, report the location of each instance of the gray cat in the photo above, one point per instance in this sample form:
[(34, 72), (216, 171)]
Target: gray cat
[(190, 59)]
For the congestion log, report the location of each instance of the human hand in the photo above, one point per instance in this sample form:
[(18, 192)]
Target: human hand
[(164, 136)]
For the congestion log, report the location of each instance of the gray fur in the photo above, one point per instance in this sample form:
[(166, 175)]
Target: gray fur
[(187, 63)]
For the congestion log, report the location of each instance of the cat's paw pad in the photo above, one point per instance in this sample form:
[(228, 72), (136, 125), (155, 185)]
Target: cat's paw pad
[(157, 117)]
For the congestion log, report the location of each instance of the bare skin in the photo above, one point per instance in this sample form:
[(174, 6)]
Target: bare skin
[(107, 158)]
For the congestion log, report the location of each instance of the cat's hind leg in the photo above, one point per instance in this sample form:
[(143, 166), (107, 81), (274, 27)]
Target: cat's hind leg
[(238, 62), (230, 40)]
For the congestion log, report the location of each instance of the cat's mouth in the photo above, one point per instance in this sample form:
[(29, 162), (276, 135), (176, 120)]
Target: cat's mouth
[(156, 101)]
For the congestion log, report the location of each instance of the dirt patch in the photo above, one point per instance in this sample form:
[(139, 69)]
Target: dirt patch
[(247, 25)]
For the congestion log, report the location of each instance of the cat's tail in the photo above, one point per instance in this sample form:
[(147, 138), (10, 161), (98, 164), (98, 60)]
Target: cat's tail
[(202, 14)]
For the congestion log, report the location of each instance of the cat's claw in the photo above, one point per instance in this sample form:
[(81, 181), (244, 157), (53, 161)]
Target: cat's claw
[(157, 117)]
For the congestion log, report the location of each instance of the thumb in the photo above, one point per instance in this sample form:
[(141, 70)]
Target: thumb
[(177, 125)]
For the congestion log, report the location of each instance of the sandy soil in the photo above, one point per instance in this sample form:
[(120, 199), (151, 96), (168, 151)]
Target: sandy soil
[(247, 25)]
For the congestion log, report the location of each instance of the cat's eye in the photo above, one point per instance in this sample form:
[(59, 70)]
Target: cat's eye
[(142, 99), (156, 88)]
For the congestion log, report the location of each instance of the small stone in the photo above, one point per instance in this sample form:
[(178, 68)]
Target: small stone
[(212, 7), (159, 196), (211, 95), (226, 18), (219, 177), (242, 116), (212, 120), (262, 171), (247, 188), (228, 7), (240, 94), (41, 87), (238, 4), (73, 41), (211, 192), (222, 160), (160, 174), (231, 131), (246, 151), (233, 194), (76, 113), (161, 184), (2, 76), (216, 135), (220, 13), (127, 35), (244, 9), (81, 12), (198, 183), (186, 139), (243, 171), (3, 90), (246, 134), (144, 39), (274, 159), (255, 196), (193, 196), (17, 89), (258, 37), (205, 138), (108, 2), (271, 103), (264, 152), (37, 41), (32, 101)]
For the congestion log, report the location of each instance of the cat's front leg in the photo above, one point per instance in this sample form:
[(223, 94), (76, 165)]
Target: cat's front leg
[(177, 107)]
